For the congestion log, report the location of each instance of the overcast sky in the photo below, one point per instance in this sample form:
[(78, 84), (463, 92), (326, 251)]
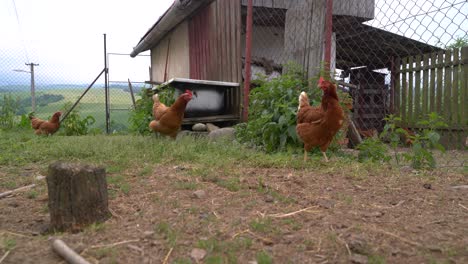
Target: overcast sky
[(65, 37)]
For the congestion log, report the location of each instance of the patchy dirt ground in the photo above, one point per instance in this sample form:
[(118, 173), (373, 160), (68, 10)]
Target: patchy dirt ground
[(239, 215)]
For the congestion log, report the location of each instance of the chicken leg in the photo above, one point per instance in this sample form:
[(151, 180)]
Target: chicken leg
[(325, 156), (305, 155)]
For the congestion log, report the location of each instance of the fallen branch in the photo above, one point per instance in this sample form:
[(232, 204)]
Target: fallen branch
[(292, 213), (167, 256), (116, 243), (8, 193), (462, 206), (4, 256), (67, 253)]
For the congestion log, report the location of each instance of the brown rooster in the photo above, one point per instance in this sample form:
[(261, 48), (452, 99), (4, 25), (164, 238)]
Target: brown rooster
[(317, 126), (169, 119), (44, 127)]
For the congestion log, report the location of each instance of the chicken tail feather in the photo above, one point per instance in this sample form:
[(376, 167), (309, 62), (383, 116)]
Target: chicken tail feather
[(303, 100)]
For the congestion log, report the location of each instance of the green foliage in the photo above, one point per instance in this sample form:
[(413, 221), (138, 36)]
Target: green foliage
[(272, 111), (264, 258), (8, 111), (393, 134), (459, 42), (421, 155), (74, 125), (372, 149)]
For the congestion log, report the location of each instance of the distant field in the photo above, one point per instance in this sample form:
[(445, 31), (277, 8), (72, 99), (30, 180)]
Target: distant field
[(93, 104)]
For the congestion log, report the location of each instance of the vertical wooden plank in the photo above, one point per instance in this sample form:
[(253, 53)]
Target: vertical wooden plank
[(447, 83), (231, 54), (404, 91), (410, 90), (232, 29), (464, 88), (417, 90), (455, 90), (425, 87), (222, 39), (432, 85), (440, 69), (397, 87)]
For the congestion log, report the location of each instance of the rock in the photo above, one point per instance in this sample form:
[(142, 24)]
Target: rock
[(427, 186), (199, 127), (358, 259), (374, 214), (269, 199), (329, 189), (211, 127), (40, 177), (148, 234), (222, 133), (198, 254), (357, 244), (199, 194), (327, 204)]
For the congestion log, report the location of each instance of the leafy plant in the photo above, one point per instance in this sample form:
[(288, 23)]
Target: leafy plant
[(8, 111), (74, 125), (272, 111), (372, 149), (421, 155), (393, 133)]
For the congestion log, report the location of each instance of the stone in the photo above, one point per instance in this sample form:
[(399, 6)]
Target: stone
[(199, 127), (199, 194), (198, 254), (211, 127), (269, 199), (359, 259), (222, 133)]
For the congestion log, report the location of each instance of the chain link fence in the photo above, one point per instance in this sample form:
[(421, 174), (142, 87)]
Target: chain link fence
[(44, 88), (402, 57)]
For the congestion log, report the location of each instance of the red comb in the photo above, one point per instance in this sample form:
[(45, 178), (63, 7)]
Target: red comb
[(188, 91), (321, 80)]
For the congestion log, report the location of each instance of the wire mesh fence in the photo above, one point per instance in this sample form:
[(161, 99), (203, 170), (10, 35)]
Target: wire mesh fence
[(402, 57), (42, 89)]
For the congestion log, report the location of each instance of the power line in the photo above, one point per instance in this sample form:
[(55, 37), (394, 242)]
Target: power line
[(21, 32)]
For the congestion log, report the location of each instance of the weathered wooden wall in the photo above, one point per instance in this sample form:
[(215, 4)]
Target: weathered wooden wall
[(178, 60), (357, 8), (304, 35), (215, 42)]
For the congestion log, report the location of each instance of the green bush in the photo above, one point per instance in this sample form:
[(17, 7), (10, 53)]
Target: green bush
[(272, 111), (74, 125), (9, 112), (421, 155), (372, 149)]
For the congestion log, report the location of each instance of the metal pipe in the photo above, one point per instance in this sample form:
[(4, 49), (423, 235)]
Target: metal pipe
[(248, 60), (83, 94), (106, 86), (328, 34)]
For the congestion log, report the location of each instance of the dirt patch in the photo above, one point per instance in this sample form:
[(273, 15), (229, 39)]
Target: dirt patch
[(248, 214)]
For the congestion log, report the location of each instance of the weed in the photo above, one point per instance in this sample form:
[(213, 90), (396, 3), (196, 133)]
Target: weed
[(183, 185), (74, 125), (376, 259), (232, 184), (32, 194), (106, 252), (262, 225), (264, 258), (95, 227), (182, 261), (119, 182), (169, 234), (8, 243), (372, 149)]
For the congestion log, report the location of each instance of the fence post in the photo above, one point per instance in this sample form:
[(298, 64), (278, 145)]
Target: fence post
[(248, 58), (328, 34)]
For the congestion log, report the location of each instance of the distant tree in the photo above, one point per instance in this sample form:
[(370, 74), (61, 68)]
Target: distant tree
[(458, 43)]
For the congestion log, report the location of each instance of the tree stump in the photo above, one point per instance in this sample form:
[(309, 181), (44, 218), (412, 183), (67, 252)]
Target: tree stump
[(77, 196)]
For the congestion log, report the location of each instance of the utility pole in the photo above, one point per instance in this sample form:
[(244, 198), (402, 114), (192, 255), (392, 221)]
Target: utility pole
[(33, 88)]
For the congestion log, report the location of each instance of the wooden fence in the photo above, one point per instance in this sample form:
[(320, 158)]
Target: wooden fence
[(435, 82)]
